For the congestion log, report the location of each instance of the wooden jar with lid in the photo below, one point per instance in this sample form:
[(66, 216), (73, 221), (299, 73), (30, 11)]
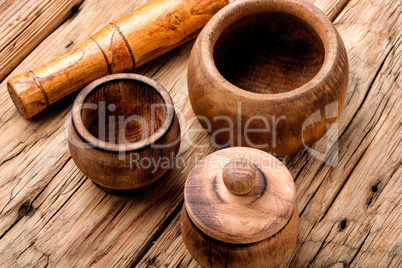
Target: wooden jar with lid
[(239, 210)]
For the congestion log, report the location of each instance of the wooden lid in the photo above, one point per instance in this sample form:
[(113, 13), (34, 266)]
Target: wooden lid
[(239, 195)]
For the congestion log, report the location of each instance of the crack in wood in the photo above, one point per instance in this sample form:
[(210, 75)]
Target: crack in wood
[(368, 90), (359, 248), (312, 196), (74, 11), (321, 247), (362, 140), (161, 228), (371, 129), (343, 185), (69, 44), (35, 30), (65, 202), (14, 156), (33, 200)]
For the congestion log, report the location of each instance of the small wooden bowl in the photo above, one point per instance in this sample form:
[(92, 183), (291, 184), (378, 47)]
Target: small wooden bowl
[(239, 210), (124, 133), (277, 70)]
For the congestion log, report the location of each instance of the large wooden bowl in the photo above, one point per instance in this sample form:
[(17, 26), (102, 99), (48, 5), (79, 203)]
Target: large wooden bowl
[(124, 133), (268, 74)]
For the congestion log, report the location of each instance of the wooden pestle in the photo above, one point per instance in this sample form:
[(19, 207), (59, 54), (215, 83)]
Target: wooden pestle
[(126, 43)]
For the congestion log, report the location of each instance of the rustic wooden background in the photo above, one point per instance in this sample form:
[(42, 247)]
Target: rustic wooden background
[(51, 214)]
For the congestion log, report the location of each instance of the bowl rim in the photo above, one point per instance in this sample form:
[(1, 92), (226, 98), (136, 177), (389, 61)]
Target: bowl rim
[(228, 15), (84, 134)]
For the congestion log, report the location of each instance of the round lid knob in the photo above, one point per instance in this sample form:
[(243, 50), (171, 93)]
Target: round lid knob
[(239, 195), (239, 176)]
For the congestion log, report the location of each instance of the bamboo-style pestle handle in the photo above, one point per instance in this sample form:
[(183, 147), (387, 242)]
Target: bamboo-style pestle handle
[(122, 45)]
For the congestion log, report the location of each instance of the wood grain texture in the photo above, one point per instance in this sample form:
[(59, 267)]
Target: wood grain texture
[(255, 228), (235, 219), (269, 53), (239, 177), (124, 44), (29, 182), (23, 25), (350, 214), (269, 252)]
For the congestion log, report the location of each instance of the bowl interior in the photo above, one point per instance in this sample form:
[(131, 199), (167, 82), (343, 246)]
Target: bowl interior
[(269, 53), (123, 111)]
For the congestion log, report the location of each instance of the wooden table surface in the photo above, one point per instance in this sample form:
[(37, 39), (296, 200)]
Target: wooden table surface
[(52, 215)]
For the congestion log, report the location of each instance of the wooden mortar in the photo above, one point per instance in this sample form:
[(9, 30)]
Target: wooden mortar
[(124, 133), (277, 70), (239, 210)]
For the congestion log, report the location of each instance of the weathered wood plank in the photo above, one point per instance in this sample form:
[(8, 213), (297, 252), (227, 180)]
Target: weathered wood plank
[(124, 241), (74, 223), (369, 194), (35, 134), (50, 214), (24, 24), (169, 250), (351, 211), (375, 214), (41, 142)]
